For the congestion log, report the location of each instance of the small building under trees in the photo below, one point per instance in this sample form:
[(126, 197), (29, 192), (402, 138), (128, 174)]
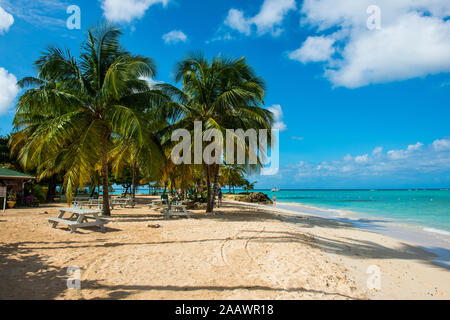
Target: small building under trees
[(15, 181)]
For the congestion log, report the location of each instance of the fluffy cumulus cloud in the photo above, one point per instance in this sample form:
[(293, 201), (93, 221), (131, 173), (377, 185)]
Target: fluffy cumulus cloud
[(362, 159), (314, 49), (278, 117), (403, 163), (237, 21), (6, 21), (128, 10), (268, 20), (8, 90), (403, 154), (174, 36), (413, 40), (442, 145)]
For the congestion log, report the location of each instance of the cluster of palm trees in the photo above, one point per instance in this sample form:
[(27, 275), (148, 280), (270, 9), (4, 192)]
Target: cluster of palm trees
[(88, 117)]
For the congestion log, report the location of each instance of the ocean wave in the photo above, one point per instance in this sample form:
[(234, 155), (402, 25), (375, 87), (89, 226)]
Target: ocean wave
[(439, 231)]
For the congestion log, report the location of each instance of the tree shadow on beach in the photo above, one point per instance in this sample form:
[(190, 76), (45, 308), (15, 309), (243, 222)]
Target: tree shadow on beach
[(350, 247), (117, 292), (342, 246), (137, 217), (25, 276)]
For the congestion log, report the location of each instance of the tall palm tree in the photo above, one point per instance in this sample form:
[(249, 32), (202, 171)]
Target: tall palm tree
[(223, 94), (77, 106), (231, 175)]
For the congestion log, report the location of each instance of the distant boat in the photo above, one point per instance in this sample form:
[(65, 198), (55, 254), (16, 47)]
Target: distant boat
[(275, 189)]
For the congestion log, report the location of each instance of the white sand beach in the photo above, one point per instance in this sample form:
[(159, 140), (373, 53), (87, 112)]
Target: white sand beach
[(246, 253)]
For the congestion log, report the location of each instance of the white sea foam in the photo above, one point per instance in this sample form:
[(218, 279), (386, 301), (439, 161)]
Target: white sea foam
[(439, 231)]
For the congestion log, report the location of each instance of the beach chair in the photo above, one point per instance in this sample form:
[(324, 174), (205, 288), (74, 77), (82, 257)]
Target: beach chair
[(98, 203), (160, 203), (178, 210), (124, 202)]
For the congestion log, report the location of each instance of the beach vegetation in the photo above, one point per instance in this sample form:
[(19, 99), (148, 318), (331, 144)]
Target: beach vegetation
[(94, 120)]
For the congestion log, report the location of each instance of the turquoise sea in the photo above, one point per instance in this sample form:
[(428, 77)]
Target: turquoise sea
[(425, 209), (429, 209)]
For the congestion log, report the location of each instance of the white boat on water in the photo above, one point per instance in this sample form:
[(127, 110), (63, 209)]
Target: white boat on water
[(275, 189)]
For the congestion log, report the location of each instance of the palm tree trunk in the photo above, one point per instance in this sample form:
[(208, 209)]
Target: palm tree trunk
[(209, 206), (216, 179), (105, 178), (51, 190), (212, 172), (133, 182)]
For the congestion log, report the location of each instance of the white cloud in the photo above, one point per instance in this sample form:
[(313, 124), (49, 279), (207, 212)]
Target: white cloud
[(314, 49), (220, 37), (415, 147), (377, 151), (237, 21), (8, 90), (414, 40), (272, 14), (268, 20), (278, 117), (348, 158), (403, 154), (414, 159), (40, 13), (174, 36), (397, 154), (362, 159), (326, 14), (414, 47), (128, 10), (297, 138), (442, 145), (6, 21)]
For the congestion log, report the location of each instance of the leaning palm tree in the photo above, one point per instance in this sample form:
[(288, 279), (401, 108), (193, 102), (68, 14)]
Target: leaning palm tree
[(222, 94), (77, 106)]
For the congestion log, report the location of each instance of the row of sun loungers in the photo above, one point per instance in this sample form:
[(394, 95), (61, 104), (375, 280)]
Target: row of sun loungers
[(98, 203)]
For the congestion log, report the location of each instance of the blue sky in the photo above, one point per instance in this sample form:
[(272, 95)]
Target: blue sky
[(360, 106)]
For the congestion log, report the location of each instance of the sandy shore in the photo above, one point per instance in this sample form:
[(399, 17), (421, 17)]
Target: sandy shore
[(247, 253)]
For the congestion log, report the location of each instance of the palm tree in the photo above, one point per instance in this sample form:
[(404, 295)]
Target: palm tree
[(222, 94), (231, 175), (77, 106), (248, 186)]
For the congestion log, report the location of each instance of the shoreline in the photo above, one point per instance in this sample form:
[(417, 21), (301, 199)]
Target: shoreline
[(398, 249), (433, 242)]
